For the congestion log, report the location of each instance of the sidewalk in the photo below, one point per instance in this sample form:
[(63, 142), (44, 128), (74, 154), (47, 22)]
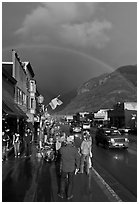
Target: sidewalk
[(45, 183), (86, 189)]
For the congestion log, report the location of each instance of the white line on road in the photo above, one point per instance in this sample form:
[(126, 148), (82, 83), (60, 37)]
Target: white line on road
[(111, 191)]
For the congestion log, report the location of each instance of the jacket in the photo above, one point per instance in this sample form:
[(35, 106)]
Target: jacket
[(70, 158), (86, 147), (28, 137)]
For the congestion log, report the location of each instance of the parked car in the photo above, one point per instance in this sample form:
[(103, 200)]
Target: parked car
[(111, 138), (77, 129), (125, 130), (86, 126)]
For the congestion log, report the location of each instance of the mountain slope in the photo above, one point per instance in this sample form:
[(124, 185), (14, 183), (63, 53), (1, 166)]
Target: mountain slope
[(105, 90)]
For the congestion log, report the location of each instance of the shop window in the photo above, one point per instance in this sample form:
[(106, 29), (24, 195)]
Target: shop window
[(32, 103)]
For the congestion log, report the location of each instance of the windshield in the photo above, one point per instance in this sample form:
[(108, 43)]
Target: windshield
[(112, 133)]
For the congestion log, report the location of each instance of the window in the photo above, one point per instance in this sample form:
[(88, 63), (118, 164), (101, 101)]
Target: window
[(32, 103), (20, 97), (23, 98), (17, 95), (27, 84), (27, 103)]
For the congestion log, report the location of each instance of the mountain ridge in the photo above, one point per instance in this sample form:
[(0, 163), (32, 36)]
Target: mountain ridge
[(105, 90)]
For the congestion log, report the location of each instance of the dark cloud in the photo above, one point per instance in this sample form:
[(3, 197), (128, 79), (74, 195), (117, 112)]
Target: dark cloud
[(69, 43)]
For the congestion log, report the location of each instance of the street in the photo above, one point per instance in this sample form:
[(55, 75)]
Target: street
[(34, 179), (69, 102)]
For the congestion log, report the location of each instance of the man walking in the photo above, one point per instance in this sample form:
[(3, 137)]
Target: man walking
[(28, 139), (16, 144), (69, 163), (86, 153)]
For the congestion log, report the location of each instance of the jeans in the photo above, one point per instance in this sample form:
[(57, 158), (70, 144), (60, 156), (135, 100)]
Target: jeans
[(16, 148), (27, 148), (85, 157), (66, 176)]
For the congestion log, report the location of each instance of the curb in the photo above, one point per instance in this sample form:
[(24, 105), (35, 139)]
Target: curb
[(109, 192)]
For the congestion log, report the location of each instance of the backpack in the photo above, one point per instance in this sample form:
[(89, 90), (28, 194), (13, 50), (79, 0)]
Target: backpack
[(85, 147)]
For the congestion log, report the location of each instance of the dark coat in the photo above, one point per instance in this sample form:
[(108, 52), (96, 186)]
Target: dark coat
[(28, 137), (70, 158)]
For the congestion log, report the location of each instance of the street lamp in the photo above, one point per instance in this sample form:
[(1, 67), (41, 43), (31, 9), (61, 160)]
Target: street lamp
[(40, 99)]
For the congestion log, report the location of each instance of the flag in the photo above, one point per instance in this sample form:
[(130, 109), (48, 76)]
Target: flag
[(59, 102), (55, 102)]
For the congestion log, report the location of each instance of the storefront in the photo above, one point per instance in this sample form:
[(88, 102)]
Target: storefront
[(13, 117)]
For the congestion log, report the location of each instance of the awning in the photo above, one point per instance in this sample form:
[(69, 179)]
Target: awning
[(9, 107)]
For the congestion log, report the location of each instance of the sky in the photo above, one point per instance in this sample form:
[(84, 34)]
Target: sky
[(68, 43)]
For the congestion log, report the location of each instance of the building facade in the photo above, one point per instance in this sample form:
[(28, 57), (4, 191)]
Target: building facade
[(13, 117), (124, 115), (25, 88), (101, 117)]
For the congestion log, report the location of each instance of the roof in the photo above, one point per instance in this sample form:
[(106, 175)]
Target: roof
[(8, 67), (6, 73), (29, 67), (130, 106), (9, 107)]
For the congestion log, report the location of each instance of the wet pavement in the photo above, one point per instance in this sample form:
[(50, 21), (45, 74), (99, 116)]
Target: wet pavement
[(32, 179)]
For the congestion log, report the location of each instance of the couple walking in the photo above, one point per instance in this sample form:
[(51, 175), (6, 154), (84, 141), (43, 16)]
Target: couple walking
[(70, 164), (27, 143)]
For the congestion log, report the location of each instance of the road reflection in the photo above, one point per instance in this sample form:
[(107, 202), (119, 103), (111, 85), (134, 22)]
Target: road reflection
[(121, 155)]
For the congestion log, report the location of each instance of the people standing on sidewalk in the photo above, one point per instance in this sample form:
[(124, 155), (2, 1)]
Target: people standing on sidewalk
[(16, 144), (77, 141), (85, 153), (57, 148), (69, 163), (5, 141), (28, 140)]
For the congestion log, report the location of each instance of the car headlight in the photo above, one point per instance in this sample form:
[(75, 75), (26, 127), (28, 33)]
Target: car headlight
[(126, 140), (112, 140)]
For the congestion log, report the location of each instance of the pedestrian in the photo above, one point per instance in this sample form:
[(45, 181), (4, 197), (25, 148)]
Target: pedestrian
[(57, 147), (85, 153), (77, 141), (27, 140), (16, 144), (69, 163), (41, 138), (5, 141)]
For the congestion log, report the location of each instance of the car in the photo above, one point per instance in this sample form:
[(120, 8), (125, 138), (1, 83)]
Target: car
[(86, 126), (124, 130), (77, 129), (111, 138)]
